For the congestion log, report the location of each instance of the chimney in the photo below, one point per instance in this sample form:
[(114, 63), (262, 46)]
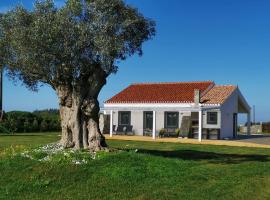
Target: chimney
[(197, 97)]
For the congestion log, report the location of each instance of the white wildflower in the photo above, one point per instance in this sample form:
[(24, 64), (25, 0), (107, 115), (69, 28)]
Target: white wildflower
[(47, 158)]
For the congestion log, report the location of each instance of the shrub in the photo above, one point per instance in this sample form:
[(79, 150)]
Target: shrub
[(177, 132), (18, 121), (161, 132), (3, 129)]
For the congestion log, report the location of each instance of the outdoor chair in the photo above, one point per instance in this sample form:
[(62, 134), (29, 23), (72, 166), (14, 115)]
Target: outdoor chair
[(147, 132), (170, 132), (124, 130)]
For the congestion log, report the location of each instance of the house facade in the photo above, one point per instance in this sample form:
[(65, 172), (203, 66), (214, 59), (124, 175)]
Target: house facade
[(201, 110)]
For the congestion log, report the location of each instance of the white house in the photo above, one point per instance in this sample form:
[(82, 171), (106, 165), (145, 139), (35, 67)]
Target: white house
[(200, 110)]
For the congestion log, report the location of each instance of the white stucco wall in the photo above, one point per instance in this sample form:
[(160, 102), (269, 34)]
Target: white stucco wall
[(137, 119), (214, 126), (229, 107), (115, 118), (159, 121), (137, 122)]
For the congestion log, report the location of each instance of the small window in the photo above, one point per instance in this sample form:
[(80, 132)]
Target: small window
[(212, 117), (171, 119), (124, 118)]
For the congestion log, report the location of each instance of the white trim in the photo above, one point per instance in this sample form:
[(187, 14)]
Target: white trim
[(200, 126), (147, 105), (154, 126), (111, 123), (157, 105)]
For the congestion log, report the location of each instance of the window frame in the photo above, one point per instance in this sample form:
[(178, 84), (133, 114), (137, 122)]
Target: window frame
[(119, 118), (165, 119), (145, 113), (212, 122)]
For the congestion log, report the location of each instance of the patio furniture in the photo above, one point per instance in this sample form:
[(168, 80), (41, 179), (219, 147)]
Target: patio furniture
[(124, 130), (170, 132), (147, 132)]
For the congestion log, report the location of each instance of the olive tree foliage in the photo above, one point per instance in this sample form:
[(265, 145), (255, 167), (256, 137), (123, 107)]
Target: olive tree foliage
[(73, 49)]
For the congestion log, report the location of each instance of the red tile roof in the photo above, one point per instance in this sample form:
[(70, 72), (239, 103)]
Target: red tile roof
[(179, 92), (218, 94)]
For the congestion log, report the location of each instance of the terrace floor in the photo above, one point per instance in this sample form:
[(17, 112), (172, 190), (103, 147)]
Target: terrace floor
[(240, 142)]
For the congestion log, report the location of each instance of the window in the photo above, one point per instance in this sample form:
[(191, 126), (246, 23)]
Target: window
[(171, 119), (124, 118), (212, 117), (148, 120)]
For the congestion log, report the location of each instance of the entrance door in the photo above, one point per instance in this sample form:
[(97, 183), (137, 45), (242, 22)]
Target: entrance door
[(235, 125), (147, 123)]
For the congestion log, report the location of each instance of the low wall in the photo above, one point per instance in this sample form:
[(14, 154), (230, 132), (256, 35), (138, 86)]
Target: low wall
[(253, 129)]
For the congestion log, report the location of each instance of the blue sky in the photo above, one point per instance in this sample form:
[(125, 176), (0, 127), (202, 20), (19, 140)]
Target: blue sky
[(227, 41)]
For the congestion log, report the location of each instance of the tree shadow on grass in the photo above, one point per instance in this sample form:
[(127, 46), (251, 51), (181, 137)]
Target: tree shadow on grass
[(210, 157)]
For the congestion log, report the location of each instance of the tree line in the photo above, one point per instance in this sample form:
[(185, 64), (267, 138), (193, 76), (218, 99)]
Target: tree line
[(27, 122)]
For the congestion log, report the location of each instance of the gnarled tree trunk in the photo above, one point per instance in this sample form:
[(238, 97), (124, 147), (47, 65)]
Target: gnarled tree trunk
[(79, 111)]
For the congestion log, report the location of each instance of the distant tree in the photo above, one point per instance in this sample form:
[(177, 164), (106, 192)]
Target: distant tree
[(73, 49), (43, 126), (12, 125), (26, 126), (35, 126), (54, 125)]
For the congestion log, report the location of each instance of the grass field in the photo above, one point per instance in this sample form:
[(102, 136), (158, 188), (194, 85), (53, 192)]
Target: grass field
[(156, 171)]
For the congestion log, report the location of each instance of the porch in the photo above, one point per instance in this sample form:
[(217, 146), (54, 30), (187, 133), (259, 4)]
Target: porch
[(193, 122), (188, 141), (164, 122)]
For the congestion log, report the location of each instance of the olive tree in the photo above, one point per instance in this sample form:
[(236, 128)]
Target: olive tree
[(73, 49)]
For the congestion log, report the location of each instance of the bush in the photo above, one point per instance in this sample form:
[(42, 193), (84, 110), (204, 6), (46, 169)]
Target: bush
[(4, 129), (161, 132), (177, 132), (17, 121)]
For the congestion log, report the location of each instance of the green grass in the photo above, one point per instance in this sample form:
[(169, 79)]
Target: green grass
[(27, 139), (156, 171)]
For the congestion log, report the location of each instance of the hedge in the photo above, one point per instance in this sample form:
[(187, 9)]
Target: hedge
[(25, 122)]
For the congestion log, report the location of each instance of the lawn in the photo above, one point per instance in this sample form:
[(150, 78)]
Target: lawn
[(153, 171)]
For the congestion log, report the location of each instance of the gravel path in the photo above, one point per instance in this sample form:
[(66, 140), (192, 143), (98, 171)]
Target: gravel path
[(257, 139)]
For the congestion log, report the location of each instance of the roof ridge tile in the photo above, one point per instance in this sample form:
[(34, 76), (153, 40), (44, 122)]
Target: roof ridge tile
[(164, 83)]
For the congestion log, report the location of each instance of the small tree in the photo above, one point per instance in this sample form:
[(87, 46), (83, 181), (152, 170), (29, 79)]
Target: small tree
[(73, 49)]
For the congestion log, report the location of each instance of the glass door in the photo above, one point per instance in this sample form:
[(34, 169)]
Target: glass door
[(147, 123)]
